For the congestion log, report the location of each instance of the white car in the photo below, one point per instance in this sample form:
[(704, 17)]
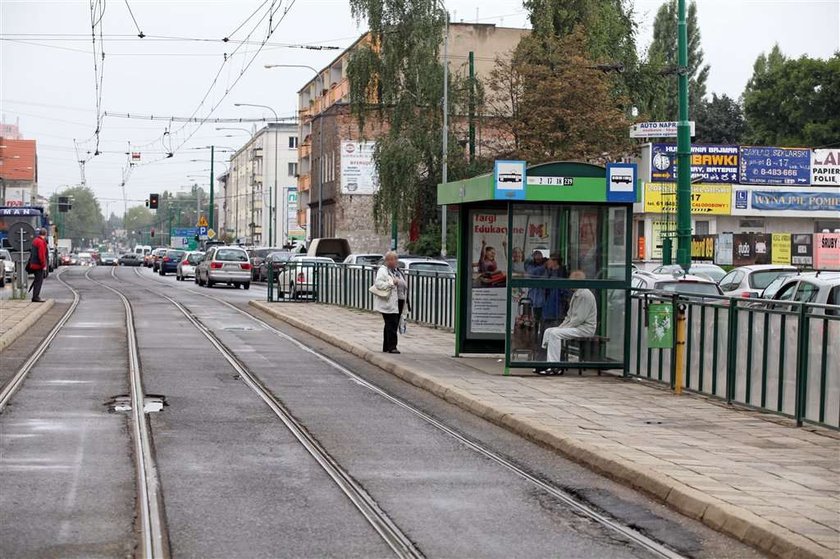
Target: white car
[(297, 278), (8, 271), (751, 281), (692, 287), (86, 259), (362, 260), (702, 269), (186, 267), (822, 288)]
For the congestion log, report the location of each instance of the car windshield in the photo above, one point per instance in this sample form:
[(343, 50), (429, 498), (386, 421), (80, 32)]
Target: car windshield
[(688, 287), (109, 255), (4, 255), (194, 258), (231, 255), (368, 259), (761, 280), (713, 272)]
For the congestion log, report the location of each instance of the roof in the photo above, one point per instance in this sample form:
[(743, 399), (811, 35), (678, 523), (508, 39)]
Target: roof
[(18, 160)]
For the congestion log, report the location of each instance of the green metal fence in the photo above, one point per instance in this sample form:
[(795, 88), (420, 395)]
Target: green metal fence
[(777, 357), (431, 294)]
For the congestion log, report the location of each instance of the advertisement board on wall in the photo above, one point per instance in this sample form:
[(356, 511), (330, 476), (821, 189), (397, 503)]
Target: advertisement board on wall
[(763, 248), (743, 249), (827, 251), (825, 167), (774, 165), (713, 199), (703, 247), (800, 201), (723, 249), (659, 230), (802, 250), (712, 163), (780, 253), (293, 229), (358, 170)]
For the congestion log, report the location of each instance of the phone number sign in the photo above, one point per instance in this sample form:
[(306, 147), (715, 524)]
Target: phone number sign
[(771, 165)]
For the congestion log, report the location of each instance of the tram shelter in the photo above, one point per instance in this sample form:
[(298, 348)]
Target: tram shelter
[(522, 232)]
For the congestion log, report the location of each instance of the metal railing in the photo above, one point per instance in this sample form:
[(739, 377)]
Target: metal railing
[(781, 357), (431, 295)]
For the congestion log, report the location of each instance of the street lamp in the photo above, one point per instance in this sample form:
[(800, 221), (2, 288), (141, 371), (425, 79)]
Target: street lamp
[(276, 141), (320, 146)]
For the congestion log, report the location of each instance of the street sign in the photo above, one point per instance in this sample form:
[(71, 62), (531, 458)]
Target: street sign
[(551, 181), (211, 234), (202, 231), (657, 129), (509, 180), (621, 182), (202, 222), (20, 236)]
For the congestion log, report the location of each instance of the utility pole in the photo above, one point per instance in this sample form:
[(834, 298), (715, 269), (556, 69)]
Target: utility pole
[(212, 180), (683, 147), (445, 139)]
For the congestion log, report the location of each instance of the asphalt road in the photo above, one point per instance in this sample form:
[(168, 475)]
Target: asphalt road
[(236, 483)]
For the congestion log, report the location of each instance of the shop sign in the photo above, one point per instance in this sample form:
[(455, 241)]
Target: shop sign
[(660, 332), (772, 165), (659, 231), (780, 252), (802, 201), (761, 243), (666, 129), (827, 251), (723, 249), (802, 249), (825, 167), (743, 249), (703, 247), (715, 164), (742, 198), (713, 199)]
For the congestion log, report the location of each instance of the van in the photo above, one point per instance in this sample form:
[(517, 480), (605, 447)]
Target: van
[(142, 250), (335, 248)]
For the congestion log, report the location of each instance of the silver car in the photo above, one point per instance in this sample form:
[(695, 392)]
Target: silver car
[(187, 265), (8, 266), (224, 264), (751, 281)]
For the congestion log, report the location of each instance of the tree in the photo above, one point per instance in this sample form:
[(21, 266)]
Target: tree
[(138, 219), (661, 102), (84, 221), (554, 105), (720, 121), (793, 102), (397, 77)]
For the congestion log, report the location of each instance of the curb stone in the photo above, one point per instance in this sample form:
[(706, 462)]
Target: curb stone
[(718, 515), (18, 329)]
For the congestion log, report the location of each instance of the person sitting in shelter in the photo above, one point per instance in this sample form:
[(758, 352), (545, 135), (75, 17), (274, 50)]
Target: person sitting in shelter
[(580, 322)]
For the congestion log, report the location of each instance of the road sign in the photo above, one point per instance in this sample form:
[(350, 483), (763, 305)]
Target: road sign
[(621, 182), (510, 180), (211, 234), (202, 231), (657, 129), (20, 235), (202, 221)]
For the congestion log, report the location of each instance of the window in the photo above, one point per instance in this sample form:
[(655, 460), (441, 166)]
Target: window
[(701, 228), (833, 299), (293, 169), (731, 281), (293, 142), (807, 292)]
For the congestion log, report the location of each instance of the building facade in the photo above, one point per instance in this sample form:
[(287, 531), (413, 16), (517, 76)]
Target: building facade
[(18, 172), (259, 189), (337, 174)]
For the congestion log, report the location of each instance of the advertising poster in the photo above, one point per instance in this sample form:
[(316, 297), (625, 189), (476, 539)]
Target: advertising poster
[(703, 247), (802, 249), (659, 230), (827, 251), (710, 164), (761, 242), (660, 333), (825, 167), (743, 249), (780, 248), (723, 249), (772, 165), (799, 201), (710, 199), (488, 260), (358, 170)]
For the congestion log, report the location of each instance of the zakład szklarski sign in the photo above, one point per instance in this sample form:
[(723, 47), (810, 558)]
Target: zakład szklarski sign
[(710, 164), (705, 198)]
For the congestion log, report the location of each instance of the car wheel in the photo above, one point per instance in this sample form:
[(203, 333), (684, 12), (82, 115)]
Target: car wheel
[(209, 283), (246, 285)]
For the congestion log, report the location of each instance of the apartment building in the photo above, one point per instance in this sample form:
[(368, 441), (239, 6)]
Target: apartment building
[(18, 171)]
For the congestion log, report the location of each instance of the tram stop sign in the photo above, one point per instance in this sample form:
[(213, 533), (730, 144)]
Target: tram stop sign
[(20, 236)]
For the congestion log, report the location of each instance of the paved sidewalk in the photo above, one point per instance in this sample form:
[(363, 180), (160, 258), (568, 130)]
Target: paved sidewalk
[(17, 316), (752, 476)]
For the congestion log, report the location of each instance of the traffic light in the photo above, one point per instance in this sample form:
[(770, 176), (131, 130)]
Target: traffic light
[(64, 204), (152, 232), (153, 201)]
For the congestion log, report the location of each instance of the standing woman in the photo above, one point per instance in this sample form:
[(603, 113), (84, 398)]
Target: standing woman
[(391, 281)]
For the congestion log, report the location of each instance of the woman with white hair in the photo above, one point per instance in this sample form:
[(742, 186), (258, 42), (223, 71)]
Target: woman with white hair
[(581, 321), (389, 294)]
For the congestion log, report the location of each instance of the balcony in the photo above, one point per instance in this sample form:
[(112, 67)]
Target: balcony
[(304, 183), (336, 93), (304, 151)]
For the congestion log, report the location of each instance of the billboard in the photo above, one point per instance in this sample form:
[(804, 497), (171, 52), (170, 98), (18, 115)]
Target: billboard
[(801, 201), (724, 249), (762, 245), (711, 164), (775, 166), (703, 247), (825, 167), (713, 199), (802, 249), (743, 249), (827, 251), (358, 169), (781, 248)]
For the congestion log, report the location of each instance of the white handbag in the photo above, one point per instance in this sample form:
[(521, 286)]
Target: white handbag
[(384, 293)]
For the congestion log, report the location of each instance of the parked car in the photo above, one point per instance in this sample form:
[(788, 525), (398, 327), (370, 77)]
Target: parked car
[(108, 259), (186, 267), (8, 265), (334, 248), (362, 260), (257, 255), (156, 255), (689, 286), (297, 278), (424, 264), (170, 260), (277, 261), (822, 288), (751, 281), (702, 269), (131, 259), (224, 264)]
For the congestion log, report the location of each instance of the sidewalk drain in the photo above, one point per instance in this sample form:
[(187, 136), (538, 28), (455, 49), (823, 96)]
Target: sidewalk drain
[(152, 403)]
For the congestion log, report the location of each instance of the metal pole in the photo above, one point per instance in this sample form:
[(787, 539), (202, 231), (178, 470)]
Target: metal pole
[(320, 169), (271, 212), (472, 107), (211, 209), (683, 147), (445, 139)]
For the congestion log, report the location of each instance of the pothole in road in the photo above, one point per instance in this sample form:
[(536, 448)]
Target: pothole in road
[(152, 403)]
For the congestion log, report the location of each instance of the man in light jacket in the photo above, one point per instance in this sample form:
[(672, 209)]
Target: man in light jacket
[(580, 322), (390, 280)]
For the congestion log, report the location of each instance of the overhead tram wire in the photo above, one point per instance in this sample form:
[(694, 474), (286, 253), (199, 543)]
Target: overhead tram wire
[(140, 33)]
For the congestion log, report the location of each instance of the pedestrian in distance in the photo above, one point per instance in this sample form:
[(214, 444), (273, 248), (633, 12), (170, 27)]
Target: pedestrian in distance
[(38, 263), (389, 294)]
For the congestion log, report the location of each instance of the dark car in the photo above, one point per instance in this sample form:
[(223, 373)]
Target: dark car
[(108, 259), (169, 261), (131, 259), (157, 254), (257, 255), (277, 261)]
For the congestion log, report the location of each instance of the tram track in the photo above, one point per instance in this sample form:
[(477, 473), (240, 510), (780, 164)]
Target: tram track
[(653, 546)]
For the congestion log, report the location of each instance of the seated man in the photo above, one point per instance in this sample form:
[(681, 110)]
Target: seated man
[(580, 321)]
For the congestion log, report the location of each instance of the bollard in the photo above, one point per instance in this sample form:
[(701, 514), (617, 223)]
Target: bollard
[(679, 353)]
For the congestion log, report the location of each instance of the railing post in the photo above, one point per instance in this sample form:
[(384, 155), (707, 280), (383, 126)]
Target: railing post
[(801, 364), (675, 350), (731, 349), (270, 283)]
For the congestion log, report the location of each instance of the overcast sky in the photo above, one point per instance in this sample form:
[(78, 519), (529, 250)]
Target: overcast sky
[(47, 74)]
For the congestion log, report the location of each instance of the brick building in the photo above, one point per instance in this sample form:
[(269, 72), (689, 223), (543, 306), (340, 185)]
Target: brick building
[(336, 200), (18, 172)]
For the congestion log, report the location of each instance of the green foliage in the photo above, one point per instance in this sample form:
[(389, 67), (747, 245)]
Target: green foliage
[(84, 221), (428, 243), (720, 121), (660, 102), (793, 102)]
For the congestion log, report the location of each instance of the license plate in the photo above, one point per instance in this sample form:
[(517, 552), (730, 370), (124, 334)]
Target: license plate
[(231, 266)]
